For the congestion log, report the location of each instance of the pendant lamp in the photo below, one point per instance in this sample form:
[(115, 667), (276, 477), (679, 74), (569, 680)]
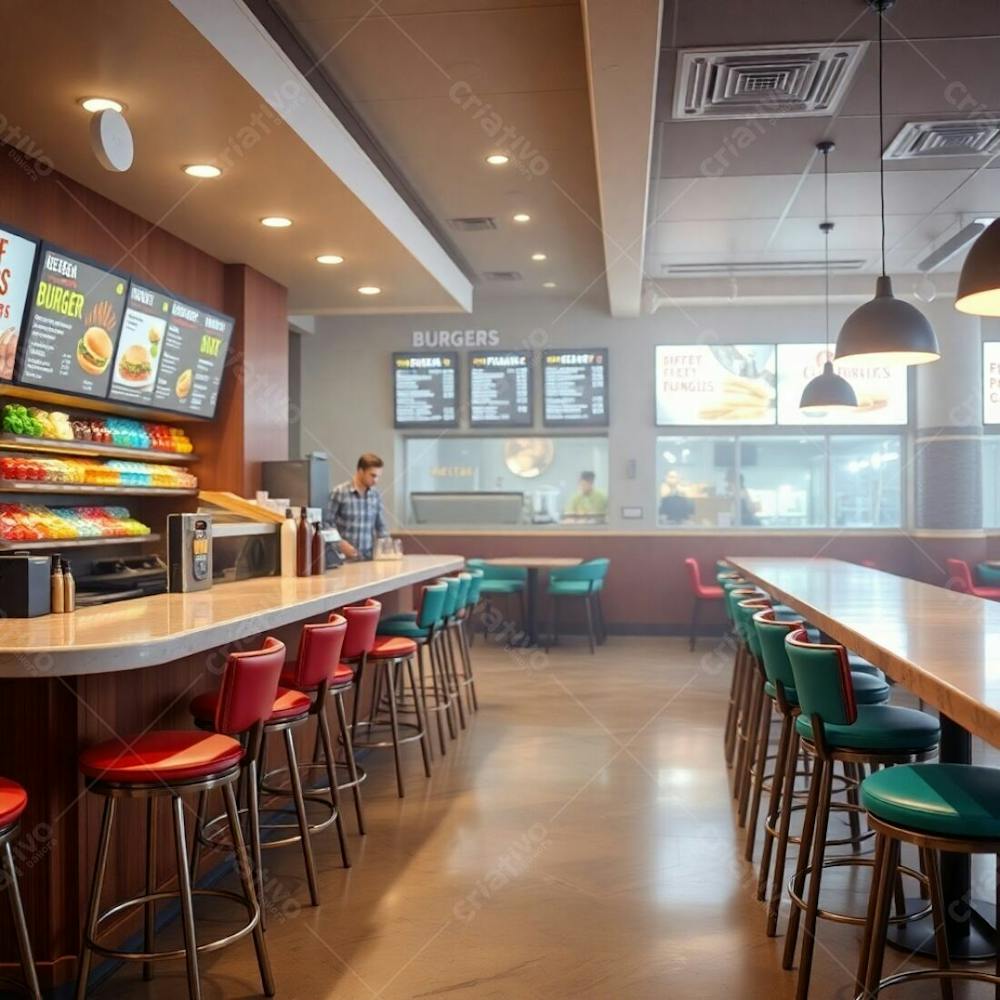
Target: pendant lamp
[(886, 330), (828, 391), (979, 282)]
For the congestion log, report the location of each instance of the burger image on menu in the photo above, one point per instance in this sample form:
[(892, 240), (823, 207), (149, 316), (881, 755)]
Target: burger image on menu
[(94, 350), (135, 365)]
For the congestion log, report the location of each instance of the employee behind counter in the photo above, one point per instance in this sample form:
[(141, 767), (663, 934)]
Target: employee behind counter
[(356, 509)]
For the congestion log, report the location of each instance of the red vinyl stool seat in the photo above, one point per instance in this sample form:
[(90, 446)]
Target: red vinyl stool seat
[(343, 673), (700, 592), (288, 704), (161, 756), (392, 647), (13, 802)]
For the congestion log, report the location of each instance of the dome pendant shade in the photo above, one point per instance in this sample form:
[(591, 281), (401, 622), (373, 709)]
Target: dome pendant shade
[(828, 391), (979, 283), (887, 331)]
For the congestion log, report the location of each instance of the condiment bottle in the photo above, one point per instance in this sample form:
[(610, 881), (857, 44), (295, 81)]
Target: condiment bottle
[(318, 550), (304, 545), (56, 583), (287, 541), (69, 587)]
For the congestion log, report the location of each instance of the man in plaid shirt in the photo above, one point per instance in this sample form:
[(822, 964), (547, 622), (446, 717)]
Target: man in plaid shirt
[(356, 509)]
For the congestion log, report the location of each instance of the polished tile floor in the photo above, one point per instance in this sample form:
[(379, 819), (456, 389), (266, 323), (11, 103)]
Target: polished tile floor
[(577, 841)]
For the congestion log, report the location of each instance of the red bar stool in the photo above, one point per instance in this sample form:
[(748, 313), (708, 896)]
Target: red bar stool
[(302, 693), (701, 593), (13, 802), (170, 764), (960, 579)]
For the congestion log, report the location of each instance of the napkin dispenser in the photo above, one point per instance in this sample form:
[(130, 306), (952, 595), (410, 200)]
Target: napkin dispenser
[(25, 589)]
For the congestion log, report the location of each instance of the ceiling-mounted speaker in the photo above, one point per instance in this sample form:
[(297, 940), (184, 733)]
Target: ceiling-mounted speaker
[(111, 140)]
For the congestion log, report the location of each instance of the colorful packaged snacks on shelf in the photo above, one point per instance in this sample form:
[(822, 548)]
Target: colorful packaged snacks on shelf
[(24, 523), (90, 472)]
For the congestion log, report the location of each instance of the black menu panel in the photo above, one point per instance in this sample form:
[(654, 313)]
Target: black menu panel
[(192, 359), (73, 323), (425, 389), (140, 346), (17, 258), (500, 389), (575, 387)]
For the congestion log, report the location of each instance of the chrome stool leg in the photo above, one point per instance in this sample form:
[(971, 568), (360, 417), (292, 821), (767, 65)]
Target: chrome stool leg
[(17, 913), (96, 890), (187, 901)]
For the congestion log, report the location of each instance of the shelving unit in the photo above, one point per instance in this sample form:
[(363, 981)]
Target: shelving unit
[(18, 442), (57, 544), (85, 489)]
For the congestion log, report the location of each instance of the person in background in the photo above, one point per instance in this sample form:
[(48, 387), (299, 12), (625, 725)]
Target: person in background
[(588, 501), (748, 507), (675, 507), (356, 509)]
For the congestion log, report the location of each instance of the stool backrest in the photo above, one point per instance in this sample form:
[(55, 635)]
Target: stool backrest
[(593, 572), (431, 604), (822, 680), (319, 651), (959, 576), (475, 586), (745, 610), (464, 582), (249, 685), (733, 597), (490, 572), (453, 584), (771, 634), (362, 624), (987, 575), (694, 573)]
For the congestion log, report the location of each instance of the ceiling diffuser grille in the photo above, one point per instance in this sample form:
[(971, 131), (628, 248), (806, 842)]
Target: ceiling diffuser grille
[(502, 276), (714, 268), (766, 82), (926, 140), (473, 223)]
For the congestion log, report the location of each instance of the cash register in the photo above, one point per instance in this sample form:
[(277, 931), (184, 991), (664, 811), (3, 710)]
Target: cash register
[(121, 579)]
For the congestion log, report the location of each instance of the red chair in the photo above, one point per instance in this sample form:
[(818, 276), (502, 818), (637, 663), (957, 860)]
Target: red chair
[(960, 579), (13, 802), (701, 593), (170, 764)]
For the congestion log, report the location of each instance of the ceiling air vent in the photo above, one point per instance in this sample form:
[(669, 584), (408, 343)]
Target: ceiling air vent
[(502, 276), (765, 82), (473, 223), (726, 268), (926, 140)]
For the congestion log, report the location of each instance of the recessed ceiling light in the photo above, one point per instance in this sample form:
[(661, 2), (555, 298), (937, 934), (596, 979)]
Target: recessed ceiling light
[(548, 284), (275, 222), (369, 290), (202, 170), (497, 159), (94, 104), (539, 256), (522, 217), (329, 258)]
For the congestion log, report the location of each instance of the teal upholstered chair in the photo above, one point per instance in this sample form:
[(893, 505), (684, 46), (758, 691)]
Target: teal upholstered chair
[(834, 728), (506, 583), (988, 574), (580, 583)]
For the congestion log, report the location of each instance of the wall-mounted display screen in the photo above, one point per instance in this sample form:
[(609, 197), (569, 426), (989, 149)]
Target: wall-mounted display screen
[(575, 387), (717, 384), (991, 382), (425, 389), (191, 357), (17, 258), (140, 346), (500, 389), (881, 389), (73, 323)]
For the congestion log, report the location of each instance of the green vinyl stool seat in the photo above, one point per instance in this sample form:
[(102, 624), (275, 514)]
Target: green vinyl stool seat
[(868, 690), (879, 727), (951, 800)]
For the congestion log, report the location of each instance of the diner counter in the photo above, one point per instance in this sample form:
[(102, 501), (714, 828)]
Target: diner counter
[(154, 630)]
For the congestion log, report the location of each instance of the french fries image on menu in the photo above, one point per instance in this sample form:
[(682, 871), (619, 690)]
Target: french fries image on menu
[(740, 400)]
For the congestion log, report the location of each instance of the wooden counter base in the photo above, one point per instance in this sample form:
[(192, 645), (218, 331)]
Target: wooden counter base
[(49, 716)]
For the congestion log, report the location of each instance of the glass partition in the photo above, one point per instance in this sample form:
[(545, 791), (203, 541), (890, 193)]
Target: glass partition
[(533, 479), (782, 482), (694, 481), (867, 481)]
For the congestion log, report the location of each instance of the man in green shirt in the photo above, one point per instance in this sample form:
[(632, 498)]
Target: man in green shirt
[(588, 501)]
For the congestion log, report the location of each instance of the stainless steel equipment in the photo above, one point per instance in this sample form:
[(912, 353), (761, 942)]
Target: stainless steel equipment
[(305, 482), (189, 552)]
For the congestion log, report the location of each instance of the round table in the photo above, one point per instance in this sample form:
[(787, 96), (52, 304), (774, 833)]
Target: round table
[(533, 564)]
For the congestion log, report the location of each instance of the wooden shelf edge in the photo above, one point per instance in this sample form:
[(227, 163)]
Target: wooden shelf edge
[(12, 488), (20, 442), (74, 543)]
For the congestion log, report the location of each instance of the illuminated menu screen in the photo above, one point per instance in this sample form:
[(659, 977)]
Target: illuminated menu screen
[(17, 258), (140, 346), (991, 382), (707, 384), (191, 358), (425, 389), (575, 388), (881, 389), (73, 322), (500, 389)]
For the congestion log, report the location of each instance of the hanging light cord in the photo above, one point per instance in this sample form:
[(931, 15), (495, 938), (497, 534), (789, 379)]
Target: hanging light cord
[(826, 236), (881, 132)]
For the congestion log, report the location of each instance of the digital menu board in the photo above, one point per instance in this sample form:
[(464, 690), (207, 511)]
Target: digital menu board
[(991, 382), (17, 258), (425, 389), (140, 346), (191, 356), (500, 389), (73, 322), (575, 387), (881, 389), (702, 384)]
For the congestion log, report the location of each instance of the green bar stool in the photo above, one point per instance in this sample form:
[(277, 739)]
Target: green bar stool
[(935, 807), (579, 583), (507, 582), (834, 728), (729, 734), (466, 678), (745, 682)]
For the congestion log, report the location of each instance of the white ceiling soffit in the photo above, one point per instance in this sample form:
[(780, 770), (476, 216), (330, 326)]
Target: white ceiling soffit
[(623, 48), (768, 81), (230, 27)]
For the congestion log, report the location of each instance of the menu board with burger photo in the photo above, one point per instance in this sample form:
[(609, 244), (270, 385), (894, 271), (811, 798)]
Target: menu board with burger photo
[(139, 345), (707, 384), (17, 258), (191, 359), (881, 389), (73, 323)]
